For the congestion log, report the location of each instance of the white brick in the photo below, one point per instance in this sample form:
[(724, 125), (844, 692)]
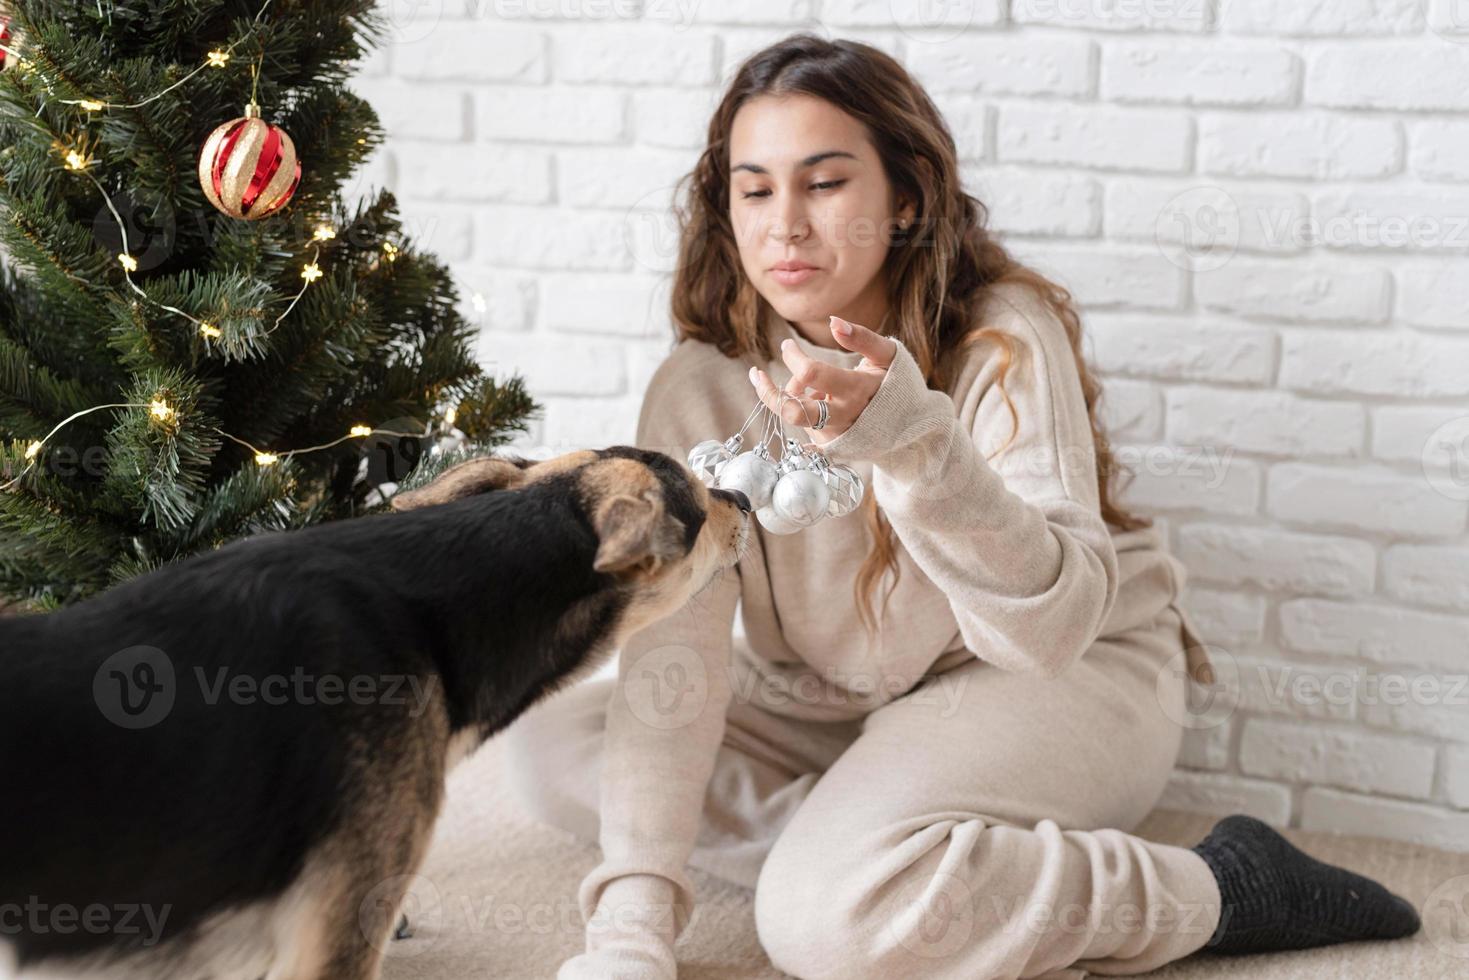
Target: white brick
[(1334, 293), (1115, 277), (473, 51), (630, 306), (1278, 561), (474, 172), (1396, 363), (1205, 748), (1265, 422), (1029, 203), (541, 238), (1339, 17), (1352, 760), (1198, 74), (1178, 349), (1434, 575), (1313, 146), (1429, 704), (1373, 76), (1095, 137), (738, 43), (641, 55), (556, 365), (1139, 15), (446, 230), (744, 12), (1407, 220), (1434, 294), (1230, 619), (969, 123), (1418, 823), (416, 111), (590, 423), (1439, 149), (1005, 65), (1131, 409), (644, 357), (1199, 213), (509, 299), (1456, 764), (551, 115), (619, 178), (1401, 432), (672, 118), (553, 10), (1221, 794), (1360, 497), (1189, 478), (1297, 690), (1383, 634), (943, 18)]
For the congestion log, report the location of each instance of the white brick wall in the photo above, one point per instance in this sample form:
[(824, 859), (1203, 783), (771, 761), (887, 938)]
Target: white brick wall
[(1263, 208)]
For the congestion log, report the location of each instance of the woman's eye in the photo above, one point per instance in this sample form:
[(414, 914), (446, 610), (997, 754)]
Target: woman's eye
[(824, 185)]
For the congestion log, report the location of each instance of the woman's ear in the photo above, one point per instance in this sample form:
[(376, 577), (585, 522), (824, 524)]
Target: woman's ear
[(475, 476)]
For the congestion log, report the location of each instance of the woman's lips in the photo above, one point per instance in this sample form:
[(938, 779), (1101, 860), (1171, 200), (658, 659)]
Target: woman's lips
[(792, 277)]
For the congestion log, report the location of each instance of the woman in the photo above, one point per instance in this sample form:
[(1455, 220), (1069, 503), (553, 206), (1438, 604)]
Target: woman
[(942, 787)]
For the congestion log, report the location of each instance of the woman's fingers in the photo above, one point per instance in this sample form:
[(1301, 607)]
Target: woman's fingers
[(796, 410), (870, 344), (808, 372)]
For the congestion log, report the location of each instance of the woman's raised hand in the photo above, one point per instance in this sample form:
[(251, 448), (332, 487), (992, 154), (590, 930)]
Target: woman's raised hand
[(845, 390)]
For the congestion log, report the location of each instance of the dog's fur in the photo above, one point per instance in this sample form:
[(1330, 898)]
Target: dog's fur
[(253, 839)]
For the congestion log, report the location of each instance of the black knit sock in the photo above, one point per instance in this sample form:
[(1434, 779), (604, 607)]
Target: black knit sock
[(1275, 896)]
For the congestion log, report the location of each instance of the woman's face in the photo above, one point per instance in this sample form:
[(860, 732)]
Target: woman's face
[(807, 188)]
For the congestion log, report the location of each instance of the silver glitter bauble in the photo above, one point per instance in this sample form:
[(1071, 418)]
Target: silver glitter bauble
[(801, 496), (846, 488), (774, 523), (752, 473)]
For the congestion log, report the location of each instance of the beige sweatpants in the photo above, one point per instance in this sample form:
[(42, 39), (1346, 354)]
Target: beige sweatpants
[(975, 827)]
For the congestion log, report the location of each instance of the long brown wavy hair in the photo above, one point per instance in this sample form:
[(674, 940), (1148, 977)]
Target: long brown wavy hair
[(938, 270)]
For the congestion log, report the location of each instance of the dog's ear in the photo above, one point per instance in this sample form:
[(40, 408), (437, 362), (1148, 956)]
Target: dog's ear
[(636, 533), (471, 477)]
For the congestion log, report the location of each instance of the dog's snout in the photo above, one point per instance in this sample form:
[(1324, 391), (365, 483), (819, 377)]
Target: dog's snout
[(737, 497)]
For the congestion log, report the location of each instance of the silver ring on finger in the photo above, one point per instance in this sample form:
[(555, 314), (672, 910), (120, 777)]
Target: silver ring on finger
[(823, 413)]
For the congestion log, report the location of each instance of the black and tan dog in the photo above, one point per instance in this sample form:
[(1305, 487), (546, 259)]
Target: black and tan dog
[(230, 767)]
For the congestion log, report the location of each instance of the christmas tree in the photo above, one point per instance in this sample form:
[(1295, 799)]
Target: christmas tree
[(198, 340)]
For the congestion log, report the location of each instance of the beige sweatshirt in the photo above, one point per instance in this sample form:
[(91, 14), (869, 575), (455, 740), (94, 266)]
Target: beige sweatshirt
[(1007, 559)]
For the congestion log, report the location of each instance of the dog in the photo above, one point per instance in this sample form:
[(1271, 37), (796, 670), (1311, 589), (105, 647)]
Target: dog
[(188, 791)]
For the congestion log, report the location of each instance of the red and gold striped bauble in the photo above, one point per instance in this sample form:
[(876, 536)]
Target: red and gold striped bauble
[(10, 41), (248, 167)]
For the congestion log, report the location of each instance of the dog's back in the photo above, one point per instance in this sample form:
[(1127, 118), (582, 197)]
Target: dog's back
[(173, 752)]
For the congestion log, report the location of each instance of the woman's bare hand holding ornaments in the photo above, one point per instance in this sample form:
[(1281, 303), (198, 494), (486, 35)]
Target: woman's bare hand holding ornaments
[(846, 391)]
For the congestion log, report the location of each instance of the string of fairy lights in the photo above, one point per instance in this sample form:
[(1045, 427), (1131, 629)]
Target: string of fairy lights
[(76, 157)]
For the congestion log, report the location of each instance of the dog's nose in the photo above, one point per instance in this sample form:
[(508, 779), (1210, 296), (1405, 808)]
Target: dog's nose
[(738, 497)]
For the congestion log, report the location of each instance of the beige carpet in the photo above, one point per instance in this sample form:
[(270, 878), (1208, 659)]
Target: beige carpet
[(496, 900)]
